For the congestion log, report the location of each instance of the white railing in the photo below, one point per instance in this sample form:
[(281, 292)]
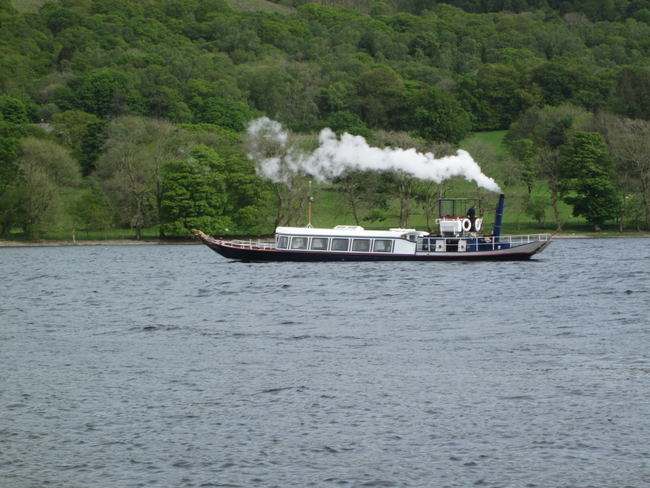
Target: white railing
[(486, 242), (249, 244)]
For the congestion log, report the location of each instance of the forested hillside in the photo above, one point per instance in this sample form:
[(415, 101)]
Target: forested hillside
[(134, 113)]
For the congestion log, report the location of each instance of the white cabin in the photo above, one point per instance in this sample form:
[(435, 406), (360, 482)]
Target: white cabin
[(348, 239)]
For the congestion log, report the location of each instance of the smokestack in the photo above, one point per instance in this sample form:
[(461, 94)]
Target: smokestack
[(499, 216)]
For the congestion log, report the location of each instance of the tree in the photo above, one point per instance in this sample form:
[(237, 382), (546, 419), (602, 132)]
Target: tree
[(588, 173), (92, 143), (535, 207), (524, 151), (270, 143), (630, 144), (194, 195), (92, 211), (11, 179), (100, 92), (341, 122), (13, 110), (547, 161), (131, 167), (251, 199), (47, 169), (72, 127), (633, 90), (427, 193), (400, 185), (497, 94), (224, 113), (382, 90), (358, 190), (437, 116)]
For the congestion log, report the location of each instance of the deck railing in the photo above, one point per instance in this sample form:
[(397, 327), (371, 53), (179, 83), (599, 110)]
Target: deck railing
[(482, 243), (251, 244)]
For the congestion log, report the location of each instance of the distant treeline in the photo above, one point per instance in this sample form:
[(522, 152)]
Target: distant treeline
[(103, 84)]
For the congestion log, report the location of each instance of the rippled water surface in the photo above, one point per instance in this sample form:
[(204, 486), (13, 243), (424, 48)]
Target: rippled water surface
[(170, 366)]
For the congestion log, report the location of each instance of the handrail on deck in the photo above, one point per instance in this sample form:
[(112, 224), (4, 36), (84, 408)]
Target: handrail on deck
[(251, 244), (494, 242)]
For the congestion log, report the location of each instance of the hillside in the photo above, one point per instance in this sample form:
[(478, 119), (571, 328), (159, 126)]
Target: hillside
[(402, 73)]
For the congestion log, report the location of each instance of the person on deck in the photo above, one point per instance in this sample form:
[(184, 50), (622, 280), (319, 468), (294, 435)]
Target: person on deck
[(471, 214)]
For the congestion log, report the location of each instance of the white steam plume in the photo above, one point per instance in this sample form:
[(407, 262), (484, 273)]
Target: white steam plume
[(268, 145)]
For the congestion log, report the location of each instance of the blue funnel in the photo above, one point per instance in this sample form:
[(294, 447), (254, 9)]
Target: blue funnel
[(499, 216)]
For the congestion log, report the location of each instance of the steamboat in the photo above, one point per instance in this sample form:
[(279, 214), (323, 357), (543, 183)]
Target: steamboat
[(458, 238)]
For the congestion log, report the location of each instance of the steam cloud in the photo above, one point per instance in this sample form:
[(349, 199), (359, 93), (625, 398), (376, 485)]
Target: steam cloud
[(334, 156)]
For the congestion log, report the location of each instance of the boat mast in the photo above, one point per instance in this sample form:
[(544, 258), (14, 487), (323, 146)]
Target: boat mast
[(309, 200)]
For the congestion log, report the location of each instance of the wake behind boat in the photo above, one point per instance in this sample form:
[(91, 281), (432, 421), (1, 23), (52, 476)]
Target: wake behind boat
[(458, 239)]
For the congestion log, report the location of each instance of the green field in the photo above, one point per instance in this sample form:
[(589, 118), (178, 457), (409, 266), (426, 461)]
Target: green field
[(493, 138)]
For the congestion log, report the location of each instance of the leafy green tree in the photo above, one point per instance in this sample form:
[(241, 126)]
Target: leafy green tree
[(382, 91), (633, 90), (358, 189), (11, 179), (72, 127), (497, 94), (224, 113), (547, 160), (436, 116), (47, 169), (61, 19), (9, 150), (130, 169), (194, 195), (100, 92), (535, 207), (269, 89), (588, 173), (250, 198), (341, 122), (92, 142), (630, 146), (91, 211), (13, 110), (524, 151)]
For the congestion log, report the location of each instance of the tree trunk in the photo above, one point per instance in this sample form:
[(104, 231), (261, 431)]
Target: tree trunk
[(138, 222), (556, 212), (355, 212), (646, 202)]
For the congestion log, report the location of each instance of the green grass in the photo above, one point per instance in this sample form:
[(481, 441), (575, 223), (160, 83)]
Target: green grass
[(107, 235), (494, 138)]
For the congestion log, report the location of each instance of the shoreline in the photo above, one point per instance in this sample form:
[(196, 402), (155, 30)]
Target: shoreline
[(158, 242), (91, 242)]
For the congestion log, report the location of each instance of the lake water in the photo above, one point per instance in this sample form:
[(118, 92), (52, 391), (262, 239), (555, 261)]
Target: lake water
[(125, 366)]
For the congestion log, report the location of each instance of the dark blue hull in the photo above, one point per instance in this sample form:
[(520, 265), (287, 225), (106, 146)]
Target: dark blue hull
[(262, 255)]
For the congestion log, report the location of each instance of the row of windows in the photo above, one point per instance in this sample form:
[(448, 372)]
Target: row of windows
[(335, 244)]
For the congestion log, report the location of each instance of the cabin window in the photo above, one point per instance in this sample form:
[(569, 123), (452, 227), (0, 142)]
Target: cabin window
[(283, 242), (383, 245), (298, 243), (361, 245), (340, 244), (319, 243)]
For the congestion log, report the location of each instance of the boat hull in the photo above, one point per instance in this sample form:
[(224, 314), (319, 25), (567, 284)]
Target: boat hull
[(517, 253)]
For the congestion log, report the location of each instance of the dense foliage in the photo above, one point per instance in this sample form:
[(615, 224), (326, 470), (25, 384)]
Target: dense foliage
[(436, 70)]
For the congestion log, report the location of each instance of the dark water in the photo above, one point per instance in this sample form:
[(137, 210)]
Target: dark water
[(171, 366)]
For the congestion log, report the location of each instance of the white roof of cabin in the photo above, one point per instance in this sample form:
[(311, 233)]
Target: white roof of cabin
[(346, 231)]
